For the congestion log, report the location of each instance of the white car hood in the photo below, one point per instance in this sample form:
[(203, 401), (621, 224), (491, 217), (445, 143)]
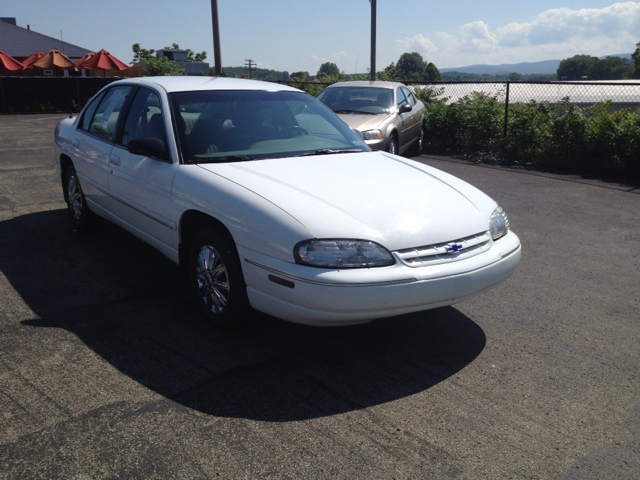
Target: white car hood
[(372, 196)]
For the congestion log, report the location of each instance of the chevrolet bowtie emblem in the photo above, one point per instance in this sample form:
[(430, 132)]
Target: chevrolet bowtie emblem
[(454, 248)]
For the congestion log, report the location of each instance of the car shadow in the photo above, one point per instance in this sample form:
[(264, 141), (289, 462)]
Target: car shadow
[(120, 297)]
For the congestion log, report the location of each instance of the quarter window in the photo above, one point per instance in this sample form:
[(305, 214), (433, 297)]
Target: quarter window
[(89, 112)]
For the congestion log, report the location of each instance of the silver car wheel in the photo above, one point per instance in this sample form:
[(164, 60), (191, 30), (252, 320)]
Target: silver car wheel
[(75, 197), (421, 140), (213, 280)]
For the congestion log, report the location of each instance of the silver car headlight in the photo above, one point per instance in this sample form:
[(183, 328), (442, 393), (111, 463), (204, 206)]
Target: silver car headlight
[(338, 253), (372, 135), (498, 224)]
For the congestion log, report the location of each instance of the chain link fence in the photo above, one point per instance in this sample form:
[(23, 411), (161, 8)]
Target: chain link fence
[(580, 127)]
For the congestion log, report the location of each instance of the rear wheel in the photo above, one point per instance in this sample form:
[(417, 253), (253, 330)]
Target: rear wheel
[(420, 144), (216, 280), (82, 218)]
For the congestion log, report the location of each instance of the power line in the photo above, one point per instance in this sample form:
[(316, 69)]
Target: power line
[(249, 64)]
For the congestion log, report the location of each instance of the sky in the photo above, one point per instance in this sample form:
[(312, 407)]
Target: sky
[(300, 35)]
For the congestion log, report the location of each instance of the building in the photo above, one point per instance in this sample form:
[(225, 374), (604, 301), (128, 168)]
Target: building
[(181, 58), (21, 42)]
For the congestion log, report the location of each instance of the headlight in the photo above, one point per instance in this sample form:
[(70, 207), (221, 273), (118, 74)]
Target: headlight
[(372, 135), (499, 223), (342, 254)]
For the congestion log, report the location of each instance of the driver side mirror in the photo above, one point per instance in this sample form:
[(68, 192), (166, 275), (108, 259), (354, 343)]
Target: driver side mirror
[(149, 147), (404, 108)]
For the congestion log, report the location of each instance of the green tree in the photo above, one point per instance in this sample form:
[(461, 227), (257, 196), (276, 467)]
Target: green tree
[(433, 74), (515, 77), (161, 67), (411, 66), (635, 56), (299, 75), (140, 54), (576, 67), (329, 69)]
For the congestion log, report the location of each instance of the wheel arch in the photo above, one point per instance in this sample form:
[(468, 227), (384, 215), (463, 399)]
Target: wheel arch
[(65, 162), (190, 223)]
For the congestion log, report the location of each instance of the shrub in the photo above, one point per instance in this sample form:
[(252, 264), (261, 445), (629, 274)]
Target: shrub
[(561, 136)]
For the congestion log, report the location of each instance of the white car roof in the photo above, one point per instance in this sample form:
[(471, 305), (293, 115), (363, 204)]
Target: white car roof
[(186, 84)]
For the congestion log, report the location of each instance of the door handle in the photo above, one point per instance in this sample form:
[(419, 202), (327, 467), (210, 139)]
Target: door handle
[(114, 160), (76, 143)]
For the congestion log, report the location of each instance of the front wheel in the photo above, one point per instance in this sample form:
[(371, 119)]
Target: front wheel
[(392, 145), (216, 280)]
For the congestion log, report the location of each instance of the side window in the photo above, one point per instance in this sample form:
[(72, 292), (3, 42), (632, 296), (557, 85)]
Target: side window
[(412, 100), (106, 115), (89, 112), (400, 96), (144, 118)]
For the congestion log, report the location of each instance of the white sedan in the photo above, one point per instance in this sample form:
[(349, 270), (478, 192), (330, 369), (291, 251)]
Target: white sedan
[(266, 199)]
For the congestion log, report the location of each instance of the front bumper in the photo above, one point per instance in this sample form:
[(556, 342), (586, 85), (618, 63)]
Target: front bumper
[(343, 297)]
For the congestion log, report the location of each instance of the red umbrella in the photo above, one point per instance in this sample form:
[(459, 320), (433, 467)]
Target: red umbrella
[(10, 63), (105, 61), (80, 61), (31, 59), (55, 58)]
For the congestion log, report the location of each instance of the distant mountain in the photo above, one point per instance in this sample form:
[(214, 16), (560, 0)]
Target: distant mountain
[(525, 68)]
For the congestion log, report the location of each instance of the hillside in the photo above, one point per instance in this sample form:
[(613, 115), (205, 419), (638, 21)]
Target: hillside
[(524, 68)]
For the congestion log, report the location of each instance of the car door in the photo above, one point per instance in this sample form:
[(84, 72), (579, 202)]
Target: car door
[(92, 145), (404, 120), (142, 185), (414, 120)]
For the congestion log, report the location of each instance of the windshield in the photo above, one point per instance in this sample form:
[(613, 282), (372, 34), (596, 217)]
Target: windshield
[(243, 125), (358, 99)]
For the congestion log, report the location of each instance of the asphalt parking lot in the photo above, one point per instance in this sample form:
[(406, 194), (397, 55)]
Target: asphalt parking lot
[(105, 372)]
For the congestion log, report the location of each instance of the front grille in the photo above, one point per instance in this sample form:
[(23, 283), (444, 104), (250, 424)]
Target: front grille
[(441, 252)]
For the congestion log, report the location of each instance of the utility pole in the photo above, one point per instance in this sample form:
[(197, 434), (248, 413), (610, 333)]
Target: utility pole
[(373, 40), (216, 38), (248, 65)]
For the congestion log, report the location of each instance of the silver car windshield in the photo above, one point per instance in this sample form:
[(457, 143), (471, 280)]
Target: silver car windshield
[(371, 100), (242, 125)]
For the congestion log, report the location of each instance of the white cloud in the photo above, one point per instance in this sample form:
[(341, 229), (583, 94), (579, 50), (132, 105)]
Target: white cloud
[(417, 42), (557, 33)]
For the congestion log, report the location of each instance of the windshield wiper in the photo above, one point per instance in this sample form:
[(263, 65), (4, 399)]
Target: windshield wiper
[(230, 158), (328, 151), (354, 111)]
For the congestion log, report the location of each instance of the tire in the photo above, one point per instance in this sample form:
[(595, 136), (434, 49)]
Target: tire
[(216, 280), (82, 218), (420, 143), (392, 144)]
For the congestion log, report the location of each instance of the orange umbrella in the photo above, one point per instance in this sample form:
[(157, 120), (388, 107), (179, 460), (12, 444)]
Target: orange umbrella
[(10, 63), (84, 59), (104, 61), (55, 58), (31, 59)]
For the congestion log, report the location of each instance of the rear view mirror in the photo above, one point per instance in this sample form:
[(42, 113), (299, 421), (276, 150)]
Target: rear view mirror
[(404, 108)]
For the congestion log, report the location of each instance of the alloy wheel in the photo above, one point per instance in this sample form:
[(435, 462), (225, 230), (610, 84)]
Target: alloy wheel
[(213, 279)]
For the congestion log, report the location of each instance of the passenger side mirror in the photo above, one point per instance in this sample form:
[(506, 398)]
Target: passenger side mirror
[(149, 147), (404, 108)]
